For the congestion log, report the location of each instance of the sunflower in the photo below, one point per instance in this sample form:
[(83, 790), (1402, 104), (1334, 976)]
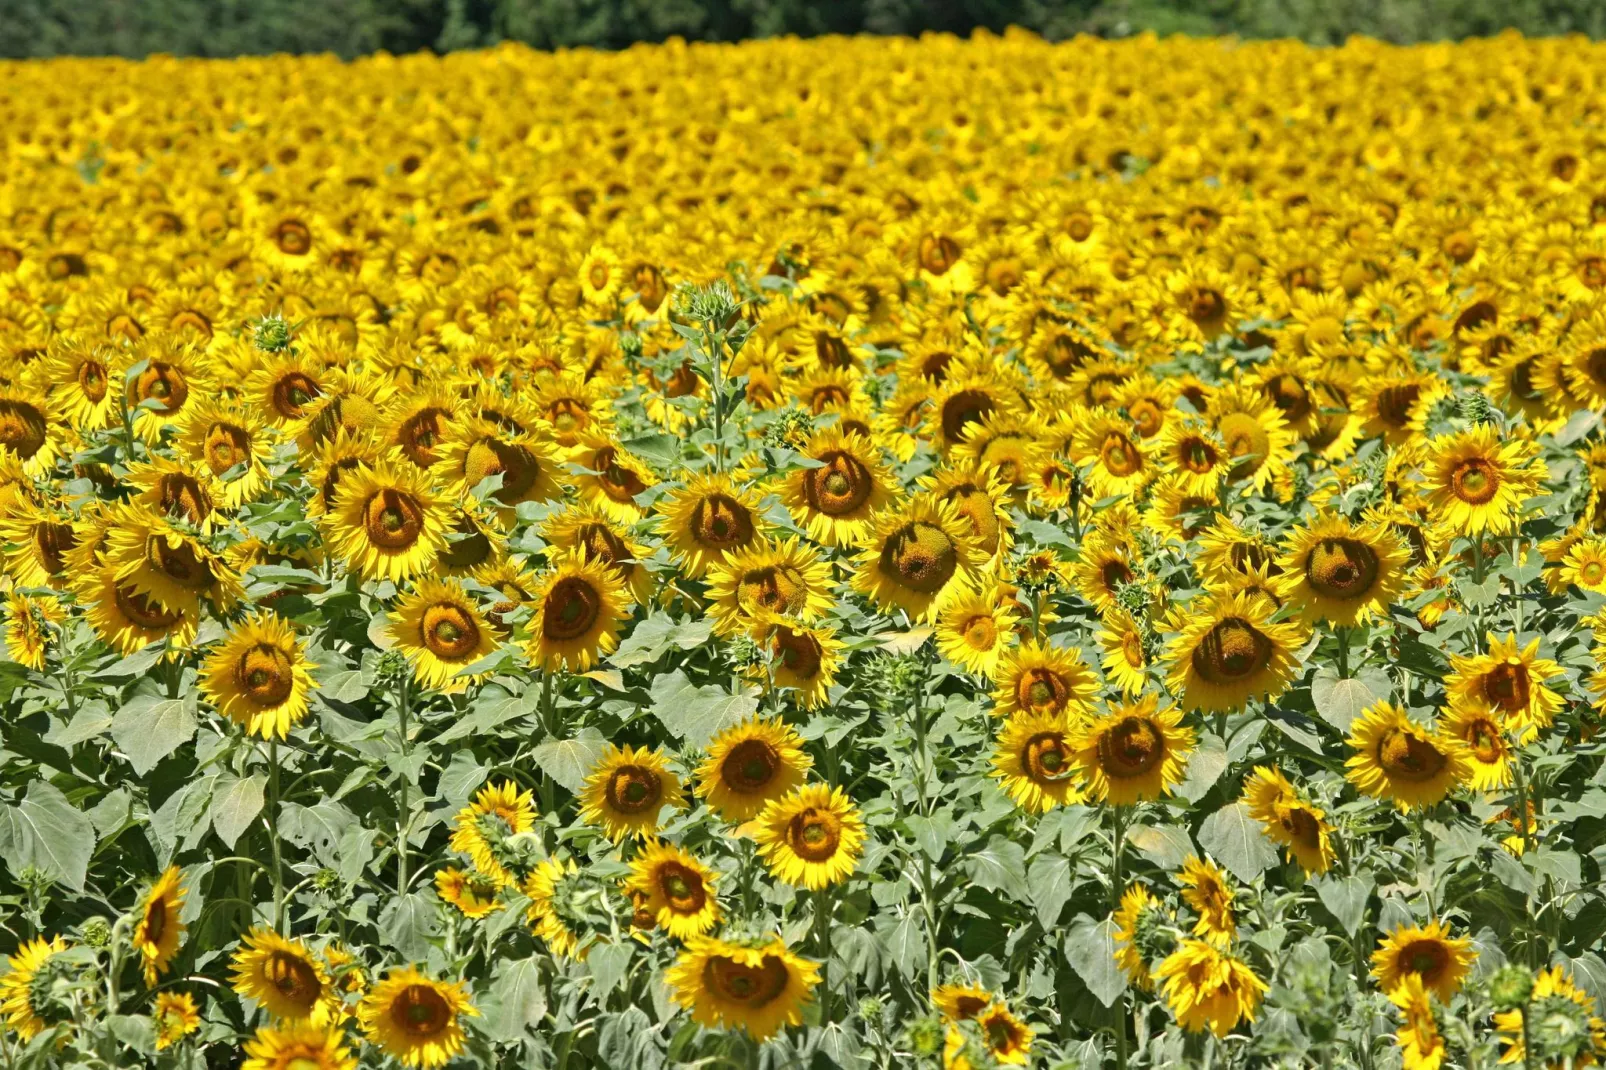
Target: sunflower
[(801, 657), (478, 449), (1180, 514), (1007, 1040), (750, 764), (974, 628), (1341, 572), (1044, 681), (1507, 682), (707, 517), (979, 498), (159, 931), (1396, 759), (29, 430), (546, 888), (757, 988), (609, 477), (1207, 987), (1288, 819), (920, 557), (282, 390), (594, 534), (1135, 751), (37, 541), (1422, 1046), (175, 1016), (299, 1046), (676, 889), (1476, 483), (627, 790), (1125, 658), (231, 445), (415, 1019), (1488, 752), (340, 457), (171, 384), (578, 608), (1396, 405), (786, 578), (441, 632), (834, 501), (1206, 891), (1112, 452), (348, 401), (1230, 651), (1584, 565), (177, 489), (1134, 918), (1193, 457), (1429, 952), (1226, 548), (27, 981), (473, 894), (81, 380), (32, 625), (1555, 996), (811, 837), (1033, 759), (482, 828), (961, 1003), (128, 620), (1106, 563), (258, 678), (1256, 436), (387, 522), (287, 979), (420, 425)]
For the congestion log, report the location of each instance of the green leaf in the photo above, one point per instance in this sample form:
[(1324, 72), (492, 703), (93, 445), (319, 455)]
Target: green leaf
[(1049, 880), (1237, 841), (47, 832), (1090, 949), (1000, 866), (661, 450), (1340, 700), (931, 834), (236, 801), (608, 963), (461, 777), (148, 729), (570, 761), (1205, 766), (517, 1000), (90, 723), (655, 636), (1346, 898), (1167, 846), (409, 923), (905, 945), (1418, 658), (696, 713), (493, 709)]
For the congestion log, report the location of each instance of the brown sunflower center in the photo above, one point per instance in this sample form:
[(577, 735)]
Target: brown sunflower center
[(749, 766), (634, 789), (51, 543), (1506, 686), (1592, 272), (751, 986), (181, 494), (1130, 748), (226, 446), (571, 608), (840, 487), (92, 380), (1483, 737), (1406, 755), (980, 632), (1046, 757), (142, 611), (1206, 307), (1132, 648), (264, 673), (420, 435), (1302, 826), (1197, 455), (293, 237), (617, 482), (1474, 481), (963, 408), (682, 887), (1113, 573), (155, 920), (814, 834), (721, 521), (779, 588), (393, 519), (1120, 457), (164, 383), (293, 978), (1395, 404), (291, 392), (22, 427), (1146, 417), (1232, 650), (1345, 569), (799, 653), (449, 632), (1042, 690), (515, 463), (181, 564), (1247, 443), (420, 1011), (1428, 958), (921, 557), (1288, 393)]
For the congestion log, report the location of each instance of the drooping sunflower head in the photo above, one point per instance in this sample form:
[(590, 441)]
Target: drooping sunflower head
[(961, 1002), (130, 620), (387, 521), (578, 607), (610, 477), (1206, 890), (801, 657), (551, 887), (349, 401), (27, 988), (706, 518), (483, 829), (757, 988), (1136, 919), (159, 929), (287, 979), (1288, 819), (628, 790), (1403, 761), (420, 425), (748, 765), (477, 449), (475, 895), (414, 1018), (1430, 952), (258, 677), (175, 1016), (811, 837), (1006, 1038), (1134, 751)]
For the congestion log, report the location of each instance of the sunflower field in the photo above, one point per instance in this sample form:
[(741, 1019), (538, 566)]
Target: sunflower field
[(857, 553)]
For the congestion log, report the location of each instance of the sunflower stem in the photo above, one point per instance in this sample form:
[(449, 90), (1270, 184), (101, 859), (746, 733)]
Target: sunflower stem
[(401, 810), (273, 834), (1342, 634), (822, 943), (1118, 818), (1527, 1041)]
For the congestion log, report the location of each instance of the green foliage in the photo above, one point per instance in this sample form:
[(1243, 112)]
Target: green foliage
[(40, 28)]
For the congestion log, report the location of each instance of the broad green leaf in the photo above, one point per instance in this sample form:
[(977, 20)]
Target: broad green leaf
[(517, 1000), (462, 776), (90, 723), (570, 761), (931, 834), (1340, 700), (1000, 866), (236, 801), (1167, 846), (491, 710), (608, 963), (1205, 766), (693, 713), (47, 832), (148, 729), (1050, 881), (905, 944), (1090, 949), (655, 636), (1346, 898), (1237, 841), (410, 923)]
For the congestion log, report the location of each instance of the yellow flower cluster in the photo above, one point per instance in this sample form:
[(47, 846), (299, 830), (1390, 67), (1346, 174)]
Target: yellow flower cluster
[(1138, 380)]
